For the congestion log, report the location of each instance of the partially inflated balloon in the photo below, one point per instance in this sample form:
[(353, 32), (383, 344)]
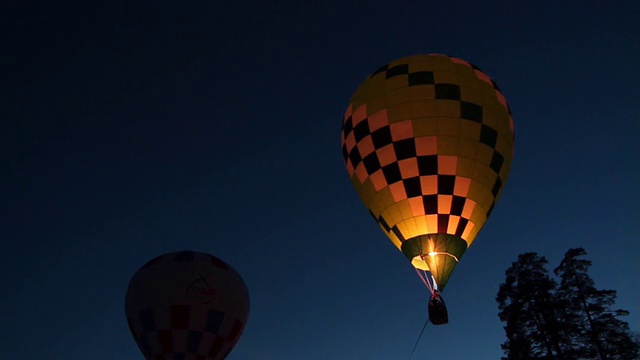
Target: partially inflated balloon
[(428, 143), (186, 305)]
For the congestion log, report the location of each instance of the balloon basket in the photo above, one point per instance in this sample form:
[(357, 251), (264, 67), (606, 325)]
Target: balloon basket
[(438, 314)]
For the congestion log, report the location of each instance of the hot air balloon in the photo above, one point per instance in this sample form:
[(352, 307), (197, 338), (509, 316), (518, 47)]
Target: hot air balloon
[(186, 305), (428, 141)]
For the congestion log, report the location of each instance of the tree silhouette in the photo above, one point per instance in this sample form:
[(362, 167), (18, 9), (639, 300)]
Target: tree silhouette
[(596, 329), (528, 306), (569, 320)]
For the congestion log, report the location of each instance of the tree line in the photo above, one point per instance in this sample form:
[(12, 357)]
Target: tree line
[(567, 318)]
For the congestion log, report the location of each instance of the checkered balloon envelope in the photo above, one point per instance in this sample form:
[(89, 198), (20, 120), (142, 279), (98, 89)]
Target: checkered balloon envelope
[(427, 141), (186, 305)]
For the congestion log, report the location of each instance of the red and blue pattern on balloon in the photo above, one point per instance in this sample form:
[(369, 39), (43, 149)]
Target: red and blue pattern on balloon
[(186, 306)]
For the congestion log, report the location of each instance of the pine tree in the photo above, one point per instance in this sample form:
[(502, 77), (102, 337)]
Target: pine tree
[(531, 312), (596, 331)]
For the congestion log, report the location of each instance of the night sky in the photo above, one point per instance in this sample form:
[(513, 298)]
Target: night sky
[(134, 130)]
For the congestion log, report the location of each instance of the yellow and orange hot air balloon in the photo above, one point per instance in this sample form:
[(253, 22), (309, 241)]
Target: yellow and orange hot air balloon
[(428, 143)]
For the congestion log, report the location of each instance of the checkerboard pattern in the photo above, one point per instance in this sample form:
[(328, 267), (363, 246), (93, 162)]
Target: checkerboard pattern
[(169, 322), (428, 142)]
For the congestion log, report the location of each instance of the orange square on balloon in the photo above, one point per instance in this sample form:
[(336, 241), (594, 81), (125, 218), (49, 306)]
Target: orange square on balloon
[(361, 171), (350, 141), (432, 224), (398, 192), (378, 180), (347, 113), (469, 205), (444, 204), (409, 168), (429, 184), (461, 187), (378, 120), (417, 206), (359, 114), (426, 145), (402, 130), (447, 164), (365, 146), (386, 155)]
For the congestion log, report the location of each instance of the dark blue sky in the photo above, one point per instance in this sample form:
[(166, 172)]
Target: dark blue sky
[(134, 130)]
